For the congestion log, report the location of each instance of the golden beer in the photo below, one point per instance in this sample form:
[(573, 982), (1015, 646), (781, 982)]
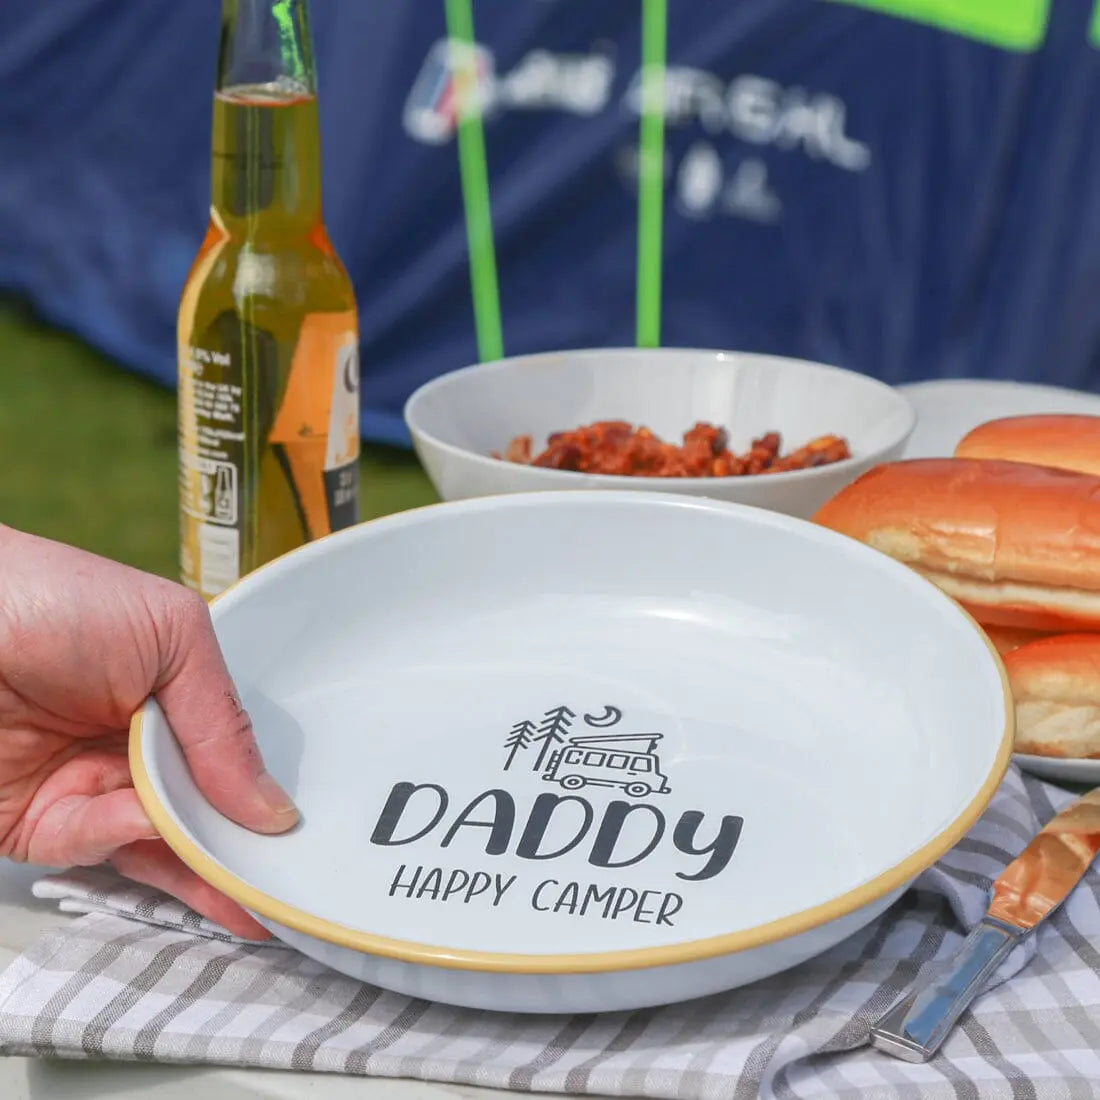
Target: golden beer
[(268, 331)]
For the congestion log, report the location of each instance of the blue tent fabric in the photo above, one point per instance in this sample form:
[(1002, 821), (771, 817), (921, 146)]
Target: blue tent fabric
[(843, 184)]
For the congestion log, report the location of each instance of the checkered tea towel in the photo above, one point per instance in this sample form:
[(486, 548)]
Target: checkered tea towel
[(139, 977)]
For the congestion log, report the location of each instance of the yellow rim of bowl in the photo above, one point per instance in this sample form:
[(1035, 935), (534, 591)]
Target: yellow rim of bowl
[(687, 951)]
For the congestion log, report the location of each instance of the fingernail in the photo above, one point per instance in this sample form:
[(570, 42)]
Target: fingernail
[(276, 798)]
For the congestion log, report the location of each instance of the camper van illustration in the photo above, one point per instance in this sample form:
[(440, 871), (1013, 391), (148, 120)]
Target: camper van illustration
[(626, 760)]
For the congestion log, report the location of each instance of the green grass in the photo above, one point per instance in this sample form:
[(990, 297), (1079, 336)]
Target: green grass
[(88, 451)]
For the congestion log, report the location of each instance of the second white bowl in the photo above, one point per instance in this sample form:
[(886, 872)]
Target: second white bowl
[(457, 420)]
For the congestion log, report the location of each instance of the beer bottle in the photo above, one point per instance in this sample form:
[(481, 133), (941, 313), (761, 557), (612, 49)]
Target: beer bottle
[(268, 329)]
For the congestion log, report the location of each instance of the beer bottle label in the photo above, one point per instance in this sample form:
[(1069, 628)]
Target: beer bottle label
[(317, 423), (342, 454), (211, 453), (234, 514)]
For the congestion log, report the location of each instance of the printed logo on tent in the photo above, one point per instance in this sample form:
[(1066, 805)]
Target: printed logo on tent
[(431, 110), (578, 84)]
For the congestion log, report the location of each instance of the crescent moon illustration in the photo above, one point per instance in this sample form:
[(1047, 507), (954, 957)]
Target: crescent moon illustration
[(610, 716), (351, 376)]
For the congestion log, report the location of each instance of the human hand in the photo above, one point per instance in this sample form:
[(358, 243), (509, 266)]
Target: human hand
[(84, 641)]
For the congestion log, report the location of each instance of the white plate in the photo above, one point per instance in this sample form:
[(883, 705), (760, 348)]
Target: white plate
[(1059, 770), (949, 408), (714, 741), (946, 410)]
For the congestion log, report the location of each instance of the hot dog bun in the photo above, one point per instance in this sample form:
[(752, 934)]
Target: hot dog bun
[(1067, 441), (1017, 545), (1007, 638), (1056, 688)]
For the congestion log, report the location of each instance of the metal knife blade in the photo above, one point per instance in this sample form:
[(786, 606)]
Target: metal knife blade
[(1029, 889)]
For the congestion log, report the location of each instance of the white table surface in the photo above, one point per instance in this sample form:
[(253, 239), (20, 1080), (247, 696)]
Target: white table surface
[(23, 918)]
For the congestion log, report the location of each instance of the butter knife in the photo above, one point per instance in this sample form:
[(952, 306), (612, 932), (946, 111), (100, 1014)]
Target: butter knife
[(1030, 888)]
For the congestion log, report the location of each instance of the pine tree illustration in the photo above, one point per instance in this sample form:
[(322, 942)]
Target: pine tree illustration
[(552, 729), (518, 739)]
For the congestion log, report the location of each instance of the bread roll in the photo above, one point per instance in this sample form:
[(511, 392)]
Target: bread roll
[(1069, 442), (1056, 688), (1007, 638), (1017, 545)]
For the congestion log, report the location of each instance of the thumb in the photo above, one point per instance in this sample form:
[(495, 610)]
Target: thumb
[(212, 727)]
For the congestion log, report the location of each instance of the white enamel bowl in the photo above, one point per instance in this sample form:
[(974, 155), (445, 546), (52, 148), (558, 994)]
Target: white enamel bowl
[(562, 752), (458, 420)]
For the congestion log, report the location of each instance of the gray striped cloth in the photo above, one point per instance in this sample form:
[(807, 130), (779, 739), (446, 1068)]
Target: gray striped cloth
[(139, 977)]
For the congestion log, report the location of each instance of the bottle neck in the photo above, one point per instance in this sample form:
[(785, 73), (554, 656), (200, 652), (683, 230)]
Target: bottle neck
[(266, 162)]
